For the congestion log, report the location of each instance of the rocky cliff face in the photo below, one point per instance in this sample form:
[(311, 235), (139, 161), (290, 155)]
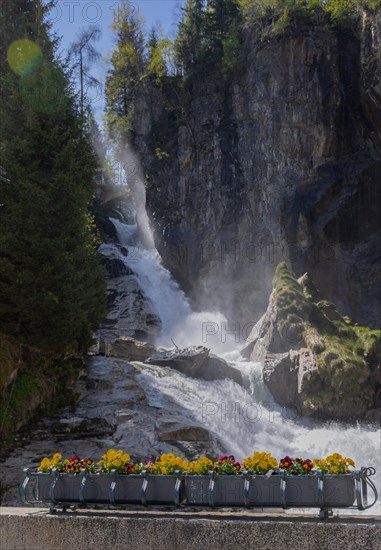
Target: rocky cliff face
[(280, 161), (314, 359)]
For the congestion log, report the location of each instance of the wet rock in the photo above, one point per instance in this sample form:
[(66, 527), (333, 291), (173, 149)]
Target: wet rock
[(130, 348), (373, 416), (216, 368), (280, 376), (308, 352), (129, 312), (169, 431), (115, 267), (123, 415), (186, 360), (197, 362)]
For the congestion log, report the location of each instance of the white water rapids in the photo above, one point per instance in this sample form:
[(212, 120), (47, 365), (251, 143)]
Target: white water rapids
[(242, 419)]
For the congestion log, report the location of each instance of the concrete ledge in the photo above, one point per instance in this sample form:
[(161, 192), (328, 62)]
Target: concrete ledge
[(36, 529)]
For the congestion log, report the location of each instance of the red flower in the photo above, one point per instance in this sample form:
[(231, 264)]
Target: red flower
[(286, 462)]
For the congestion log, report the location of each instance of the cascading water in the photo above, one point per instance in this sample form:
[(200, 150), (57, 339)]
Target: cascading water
[(179, 322), (242, 419), (248, 419)]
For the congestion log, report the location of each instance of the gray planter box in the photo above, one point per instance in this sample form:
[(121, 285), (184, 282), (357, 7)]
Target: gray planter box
[(264, 491), (89, 489), (61, 488), (339, 490), (298, 491), (215, 491), (328, 491), (159, 489), (334, 491)]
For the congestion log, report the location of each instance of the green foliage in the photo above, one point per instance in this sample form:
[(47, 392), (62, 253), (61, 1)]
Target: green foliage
[(345, 353), (232, 49), (160, 56), (38, 391), (9, 359), (209, 38), (52, 289), (280, 13), (161, 154), (19, 405), (127, 71), (190, 35)]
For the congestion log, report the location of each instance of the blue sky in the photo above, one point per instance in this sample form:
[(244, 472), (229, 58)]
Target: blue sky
[(70, 16)]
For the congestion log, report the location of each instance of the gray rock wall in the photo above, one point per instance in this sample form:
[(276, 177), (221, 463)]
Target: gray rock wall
[(281, 161)]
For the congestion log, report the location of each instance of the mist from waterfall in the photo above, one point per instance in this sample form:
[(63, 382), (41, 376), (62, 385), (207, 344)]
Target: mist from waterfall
[(180, 325), (242, 419)]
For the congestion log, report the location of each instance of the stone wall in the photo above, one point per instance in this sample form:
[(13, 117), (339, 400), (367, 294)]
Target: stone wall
[(32, 529)]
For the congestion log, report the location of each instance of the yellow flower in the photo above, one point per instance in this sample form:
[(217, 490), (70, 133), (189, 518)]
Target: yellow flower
[(334, 469), (110, 455), (350, 462), (56, 458), (260, 462), (45, 463)]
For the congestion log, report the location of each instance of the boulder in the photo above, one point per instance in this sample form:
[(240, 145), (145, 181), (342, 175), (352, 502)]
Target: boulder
[(178, 431), (185, 360), (197, 362), (280, 376), (288, 376), (129, 348), (115, 267), (313, 357), (216, 368)]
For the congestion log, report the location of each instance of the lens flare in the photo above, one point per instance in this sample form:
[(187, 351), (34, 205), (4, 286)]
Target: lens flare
[(24, 56)]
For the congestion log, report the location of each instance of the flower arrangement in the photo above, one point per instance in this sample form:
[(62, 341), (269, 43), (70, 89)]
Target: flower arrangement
[(116, 460), (296, 466), (166, 464), (72, 465), (259, 463), (47, 464), (334, 464), (227, 465), (201, 467)]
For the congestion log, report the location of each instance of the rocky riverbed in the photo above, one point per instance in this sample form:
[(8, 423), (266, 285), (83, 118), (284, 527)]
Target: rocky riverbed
[(112, 411)]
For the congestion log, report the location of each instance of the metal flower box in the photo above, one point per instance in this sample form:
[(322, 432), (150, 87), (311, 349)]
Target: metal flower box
[(280, 490), (109, 489), (244, 490)]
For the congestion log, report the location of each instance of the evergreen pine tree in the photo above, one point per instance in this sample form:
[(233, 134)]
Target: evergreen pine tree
[(190, 36), (127, 70), (52, 290)]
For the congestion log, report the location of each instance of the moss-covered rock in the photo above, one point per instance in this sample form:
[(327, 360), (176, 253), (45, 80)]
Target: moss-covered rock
[(341, 377), (9, 361), (36, 390)]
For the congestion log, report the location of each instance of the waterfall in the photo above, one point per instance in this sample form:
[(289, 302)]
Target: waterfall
[(179, 323), (243, 419), (248, 419)]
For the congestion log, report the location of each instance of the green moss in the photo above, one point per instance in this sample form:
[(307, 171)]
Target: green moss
[(9, 359), (346, 354), (37, 392), (20, 403)]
